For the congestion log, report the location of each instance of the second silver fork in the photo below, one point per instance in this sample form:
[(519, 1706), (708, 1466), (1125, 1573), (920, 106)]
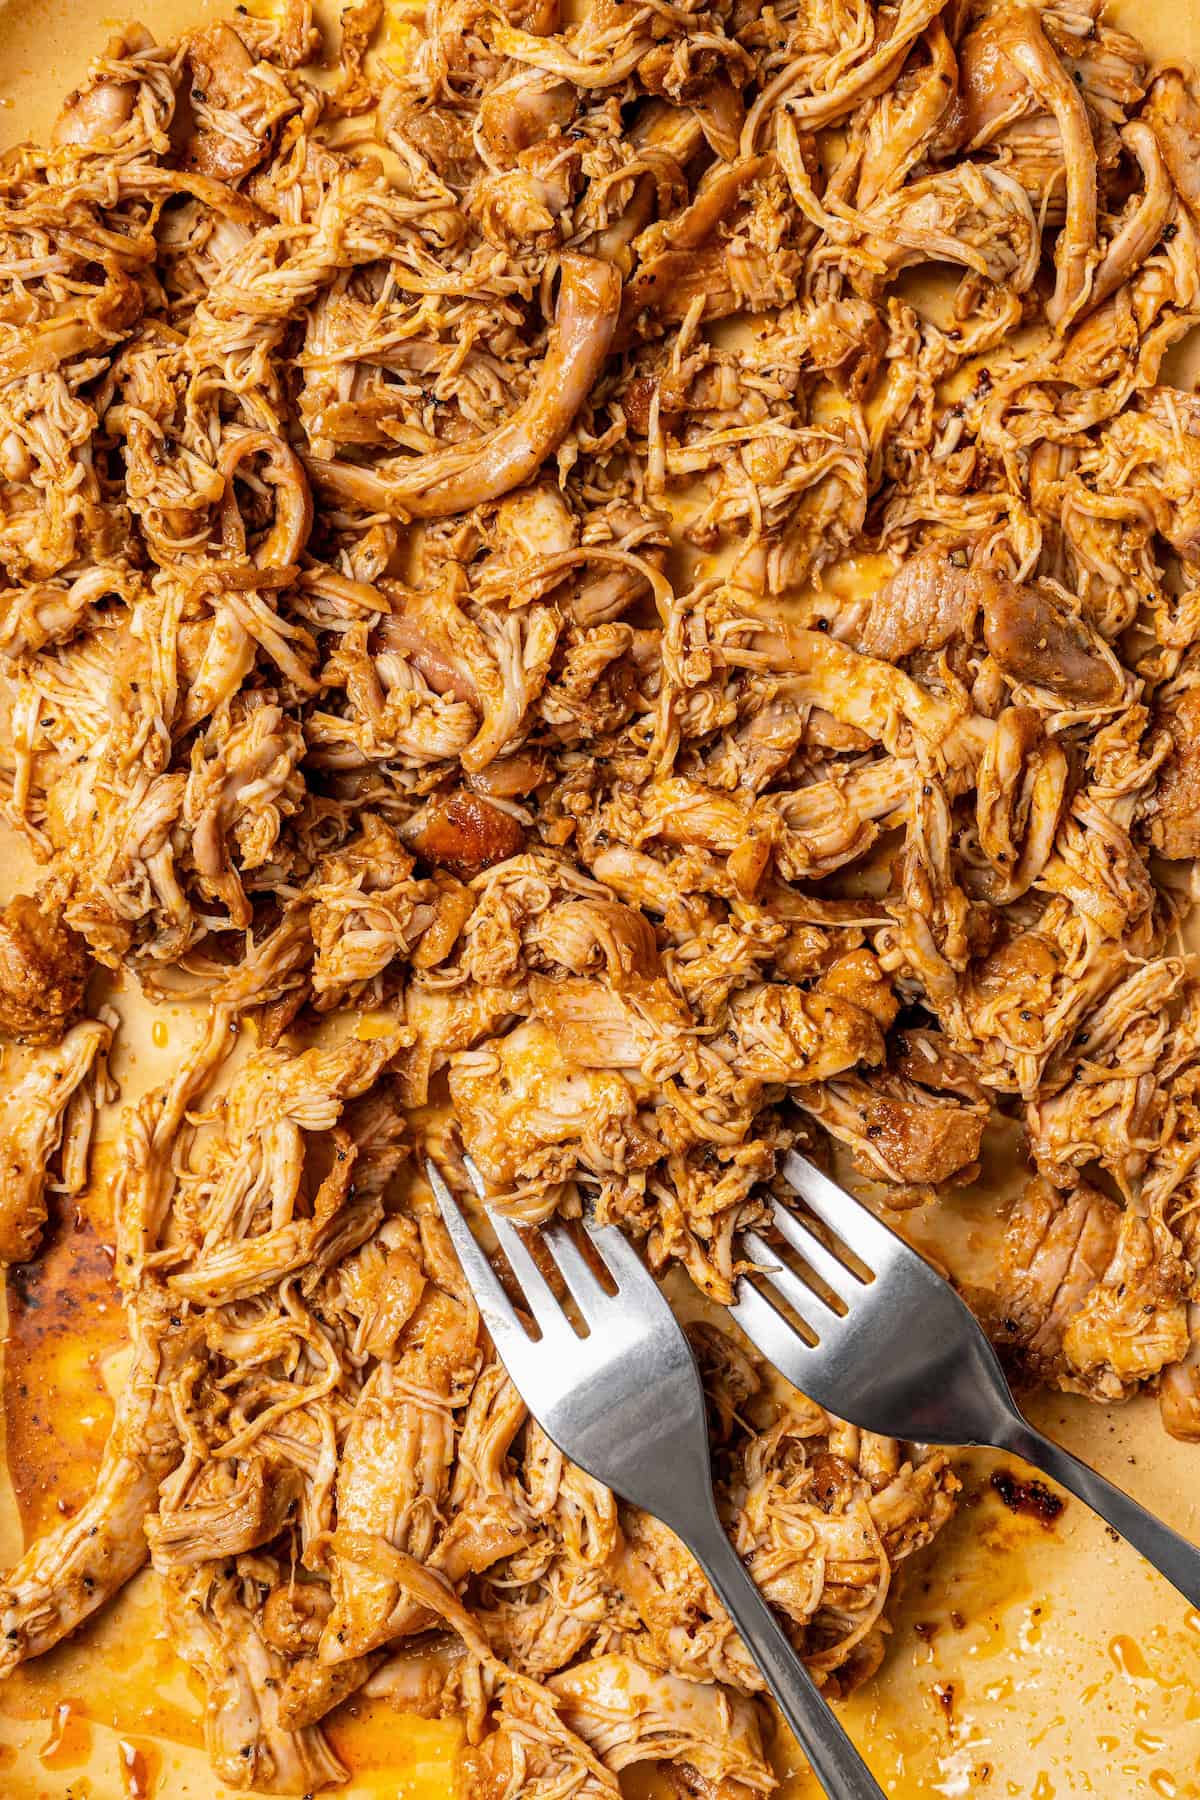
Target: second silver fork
[(626, 1404), (891, 1347)]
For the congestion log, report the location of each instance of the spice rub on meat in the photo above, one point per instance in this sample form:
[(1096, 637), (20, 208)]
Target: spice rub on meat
[(1174, 825), (427, 492), (44, 969)]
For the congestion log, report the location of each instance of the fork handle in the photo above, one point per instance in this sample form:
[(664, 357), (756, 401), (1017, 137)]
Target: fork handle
[(836, 1763), (1172, 1555)]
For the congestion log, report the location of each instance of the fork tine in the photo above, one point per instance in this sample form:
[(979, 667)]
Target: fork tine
[(766, 1328), (498, 1312), (777, 1274), (576, 1271), (846, 1217), (807, 1244), (475, 1178), (533, 1284), (619, 1257), (537, 1290)]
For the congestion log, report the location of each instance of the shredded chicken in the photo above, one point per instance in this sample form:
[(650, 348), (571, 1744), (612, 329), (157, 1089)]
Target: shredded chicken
[(424, 645), (47, 1115)]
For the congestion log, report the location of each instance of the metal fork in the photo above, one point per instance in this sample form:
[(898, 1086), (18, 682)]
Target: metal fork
[(898, 1352), (626, 1404)]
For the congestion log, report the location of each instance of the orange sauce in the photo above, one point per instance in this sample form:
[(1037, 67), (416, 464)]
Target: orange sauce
[(70, 1741), (140, 1764), (64, 1319)]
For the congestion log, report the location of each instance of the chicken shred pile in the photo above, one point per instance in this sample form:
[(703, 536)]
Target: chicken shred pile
[(429, 487)]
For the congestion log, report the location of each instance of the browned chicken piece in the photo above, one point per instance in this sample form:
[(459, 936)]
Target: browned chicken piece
[(529, 1115), (829, 95), (865, 692), (1041, 643), (601, 1028), (293, 1616), (463, 832), (592, 936), (1036, 639), (928, 1059), (531, 1747), (380, 1287), (78, 328), (1022, 789), (311, 1688), (96, 111), (1145, 219), (494, 1517), (1179, 1386), (1134, 1322), (1090, 1296), (370, 912), (262, 1216), (419, 629), (219, 1635), (395, 1475), (785, 1034), (466, 475), (1174, 811), (444, 1021), (900, 1132), (923, 107), (525, 110), (243, 783), (293, 506), (235, 105), (822, 1517), (686, 1630), (686, 263), (858, 977), (358, 25), (1115, 1113), (226, 1509), (44, 969), (1154, 456)]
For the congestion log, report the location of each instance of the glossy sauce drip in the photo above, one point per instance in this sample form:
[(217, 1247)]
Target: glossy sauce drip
[(140, 1764), (69, 1744)]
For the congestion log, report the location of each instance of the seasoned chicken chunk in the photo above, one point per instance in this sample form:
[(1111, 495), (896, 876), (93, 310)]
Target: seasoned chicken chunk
[(1038, 641), (1174, 811), (464, 833), (529, 1113), (48, 1114), (1091, 1296), (44, 969), (926, 603), (630, 1714)]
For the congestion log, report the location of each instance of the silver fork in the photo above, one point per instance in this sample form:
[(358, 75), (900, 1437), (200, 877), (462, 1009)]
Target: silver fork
[(900, 1354), (626, 1404)]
